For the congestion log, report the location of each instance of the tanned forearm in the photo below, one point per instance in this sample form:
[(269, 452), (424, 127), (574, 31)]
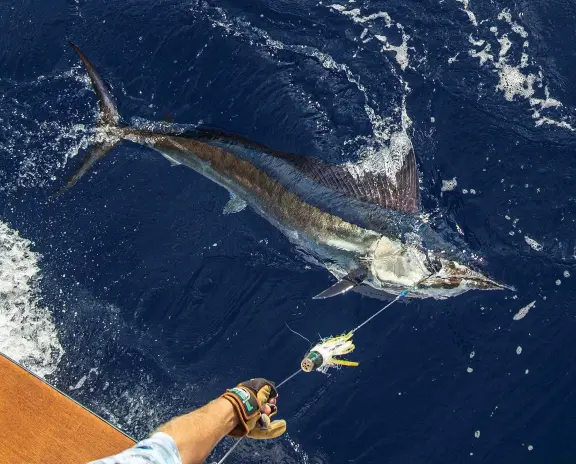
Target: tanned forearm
[(197, 432)]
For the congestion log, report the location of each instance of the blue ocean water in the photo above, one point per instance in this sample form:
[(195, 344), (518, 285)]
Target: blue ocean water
[(160, 301)]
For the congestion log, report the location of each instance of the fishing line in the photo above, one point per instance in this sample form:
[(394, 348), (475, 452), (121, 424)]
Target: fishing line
[(230, 451), (288, 378), (299, 334), (399, 297)]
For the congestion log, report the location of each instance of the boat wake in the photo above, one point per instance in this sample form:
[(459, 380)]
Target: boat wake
[(27, 330)]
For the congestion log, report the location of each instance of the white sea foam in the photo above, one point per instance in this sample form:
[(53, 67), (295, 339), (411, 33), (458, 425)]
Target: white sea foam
[(519, 77), (476, 42), (82, 380), (466, 9), (505, 45), (449, 185), (400, 51), (39, 148), (386, 150), (533, 243), (453, 59), (514, 83), (387, 160), (357, 17), (392, 143), (27, 331), (522, 312), (483, 55), (505, 15), (161, 126)]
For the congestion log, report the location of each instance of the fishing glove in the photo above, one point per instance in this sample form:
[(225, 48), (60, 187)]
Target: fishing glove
[(248, 398)]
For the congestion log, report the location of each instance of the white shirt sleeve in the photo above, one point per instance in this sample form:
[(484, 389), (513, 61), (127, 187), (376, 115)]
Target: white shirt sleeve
[(160, 448)]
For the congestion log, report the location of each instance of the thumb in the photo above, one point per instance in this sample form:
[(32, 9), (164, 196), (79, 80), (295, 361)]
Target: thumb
[(274, 430)]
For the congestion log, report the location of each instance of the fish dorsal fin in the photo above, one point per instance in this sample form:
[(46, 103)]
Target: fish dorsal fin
[(400, 193)]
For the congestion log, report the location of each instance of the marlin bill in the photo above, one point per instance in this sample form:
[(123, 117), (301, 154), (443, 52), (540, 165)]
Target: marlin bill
[(364, 228)]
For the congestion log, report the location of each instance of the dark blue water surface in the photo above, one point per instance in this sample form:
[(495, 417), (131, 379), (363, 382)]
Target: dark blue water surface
[(162, 302)]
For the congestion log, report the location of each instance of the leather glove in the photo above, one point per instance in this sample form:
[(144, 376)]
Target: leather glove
[(248, 399)]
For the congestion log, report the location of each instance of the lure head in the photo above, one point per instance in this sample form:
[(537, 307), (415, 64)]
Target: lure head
[(326, 354), (312, 361)]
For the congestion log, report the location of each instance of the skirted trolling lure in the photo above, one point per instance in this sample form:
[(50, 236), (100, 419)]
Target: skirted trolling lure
[(324, 355)]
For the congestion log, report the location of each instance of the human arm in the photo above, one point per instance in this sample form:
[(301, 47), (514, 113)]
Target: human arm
[(198, 432), (188, 439)]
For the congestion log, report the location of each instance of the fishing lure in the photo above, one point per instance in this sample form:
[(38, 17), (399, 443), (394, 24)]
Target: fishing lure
[(324, 355)]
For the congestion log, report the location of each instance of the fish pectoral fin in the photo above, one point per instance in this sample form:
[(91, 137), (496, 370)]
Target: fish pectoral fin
[(353, 279), (342, 286), (171, 160), (234, 205)]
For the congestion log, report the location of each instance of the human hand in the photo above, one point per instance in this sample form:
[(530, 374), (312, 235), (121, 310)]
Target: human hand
[(255, 403)]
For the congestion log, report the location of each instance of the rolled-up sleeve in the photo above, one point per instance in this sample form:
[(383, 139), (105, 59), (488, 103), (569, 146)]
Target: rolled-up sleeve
[(160, 448)]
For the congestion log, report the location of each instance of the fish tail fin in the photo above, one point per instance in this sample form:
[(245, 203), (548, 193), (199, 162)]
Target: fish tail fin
[(109, 115), (109, 118), (96, 152)]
